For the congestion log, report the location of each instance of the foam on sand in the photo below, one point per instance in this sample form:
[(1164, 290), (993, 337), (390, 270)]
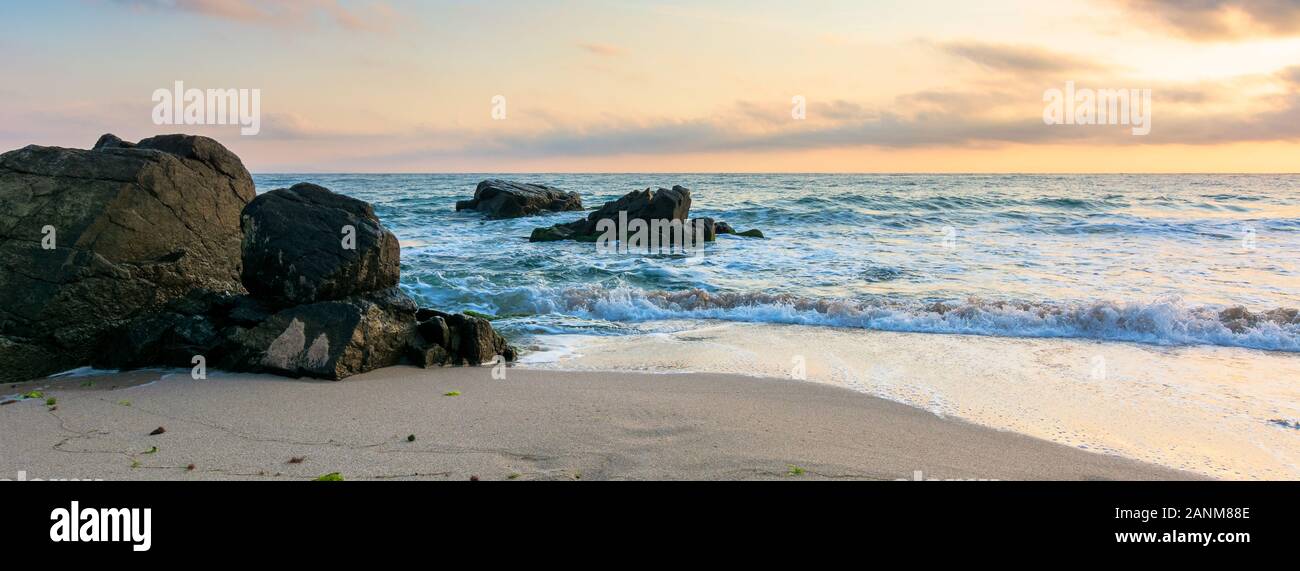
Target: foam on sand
[(1211, 410)]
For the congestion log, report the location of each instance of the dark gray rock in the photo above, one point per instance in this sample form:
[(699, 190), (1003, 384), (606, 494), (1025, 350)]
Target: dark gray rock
[(724, 228), (506, 199), (710, 228), (558, 232), (468, 340), (435, 330), (327, 339), (341, 338), (163, 339), (185, 327), (427, 355), (647, 205), (293, 248), (134, 227), (111, 141), (149, 267)]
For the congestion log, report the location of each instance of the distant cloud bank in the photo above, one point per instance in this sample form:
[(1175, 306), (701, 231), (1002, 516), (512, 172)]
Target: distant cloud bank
[(371, 17), (1213, 20)]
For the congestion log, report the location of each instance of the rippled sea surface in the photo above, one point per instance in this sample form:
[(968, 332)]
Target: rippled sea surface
[(1159, 259), (1144, 316)]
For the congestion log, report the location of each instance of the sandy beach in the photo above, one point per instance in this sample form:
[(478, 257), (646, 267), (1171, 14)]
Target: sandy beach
[(532, 425), (1210, 410)]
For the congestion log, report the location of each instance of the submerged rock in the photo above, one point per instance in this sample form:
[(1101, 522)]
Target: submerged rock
[(92, 238), (1238, 319), (506, 199), (724, 228), (305, 244)]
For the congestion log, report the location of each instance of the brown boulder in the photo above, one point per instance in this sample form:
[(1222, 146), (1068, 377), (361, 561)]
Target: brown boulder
[(91, 238)]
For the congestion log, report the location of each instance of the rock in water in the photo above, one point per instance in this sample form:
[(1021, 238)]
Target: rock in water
[(306, 244), (648, 205), (662, 204), (721, 227), (92, 238), (506, 199)]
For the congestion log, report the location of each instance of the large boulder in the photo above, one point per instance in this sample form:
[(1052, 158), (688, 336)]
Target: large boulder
[(306, 244), (196, 324), (506, 199), (328, 339), (328, 336), (92, 238)]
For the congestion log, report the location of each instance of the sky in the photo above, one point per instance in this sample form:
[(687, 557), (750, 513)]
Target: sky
[(682, 86)]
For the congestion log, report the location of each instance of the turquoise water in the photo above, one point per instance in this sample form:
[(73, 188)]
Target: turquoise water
[(1145, 258)]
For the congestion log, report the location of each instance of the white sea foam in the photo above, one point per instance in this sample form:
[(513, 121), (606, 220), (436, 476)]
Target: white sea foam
[(1167, 321)]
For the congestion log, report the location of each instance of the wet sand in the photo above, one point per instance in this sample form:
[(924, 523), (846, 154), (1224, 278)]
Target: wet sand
[(1216, 411), (532, 425)]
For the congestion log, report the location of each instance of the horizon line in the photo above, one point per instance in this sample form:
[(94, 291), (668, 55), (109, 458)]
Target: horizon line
[(894, 173)]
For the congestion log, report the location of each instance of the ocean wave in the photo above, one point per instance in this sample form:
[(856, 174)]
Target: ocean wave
[(1167, 321)]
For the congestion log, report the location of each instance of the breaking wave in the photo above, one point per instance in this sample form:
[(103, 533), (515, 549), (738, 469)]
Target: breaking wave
[(1167, 321)]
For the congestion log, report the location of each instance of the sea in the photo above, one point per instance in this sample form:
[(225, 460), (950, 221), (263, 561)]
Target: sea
[(1146, 316)]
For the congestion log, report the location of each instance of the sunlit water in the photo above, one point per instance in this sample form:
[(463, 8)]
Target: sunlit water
[(1097, 270)]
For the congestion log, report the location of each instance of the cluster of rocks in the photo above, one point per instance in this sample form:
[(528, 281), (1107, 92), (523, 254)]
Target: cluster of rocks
[(647, 205), (155, 253), (505, 199), (499, 199)]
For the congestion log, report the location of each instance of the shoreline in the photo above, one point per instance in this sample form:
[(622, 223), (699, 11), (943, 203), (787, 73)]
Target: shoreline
[(1207, 410), (535, 424)]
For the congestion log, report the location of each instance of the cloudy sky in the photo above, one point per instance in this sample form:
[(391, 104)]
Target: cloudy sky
[(626, 86)]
